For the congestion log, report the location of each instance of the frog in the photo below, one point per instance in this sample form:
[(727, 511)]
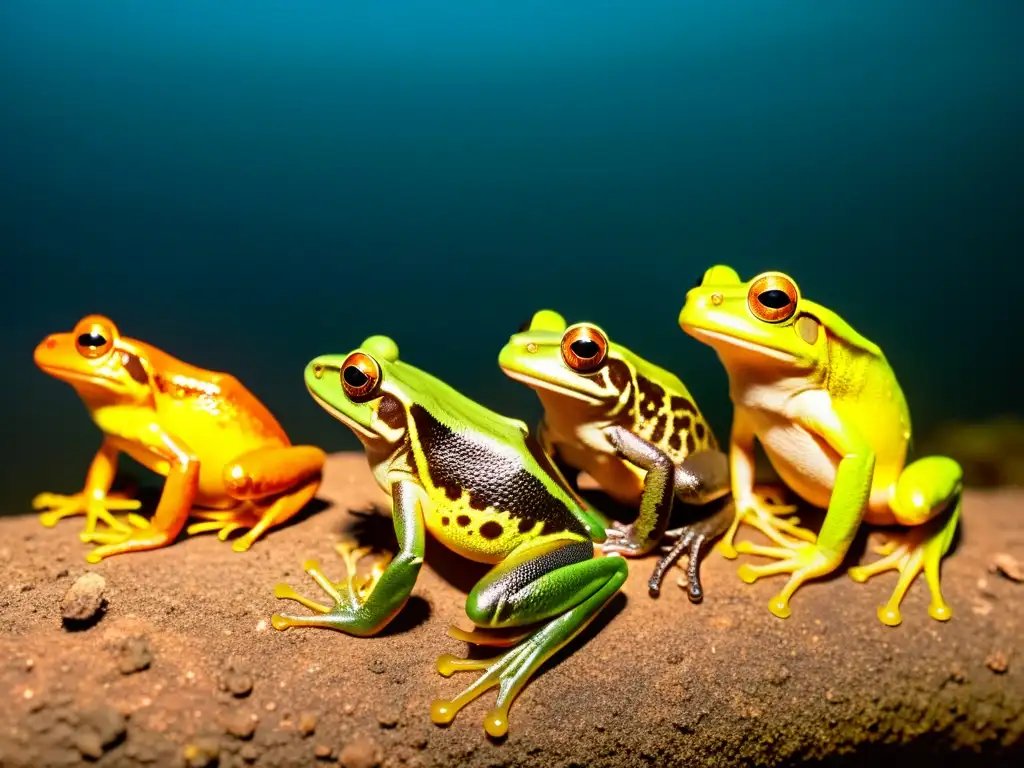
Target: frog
[(825, 404), (634, 428), (478, 482), (226, 459)]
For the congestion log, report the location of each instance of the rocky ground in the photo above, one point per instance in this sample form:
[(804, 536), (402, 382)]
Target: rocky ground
[(172, 660)]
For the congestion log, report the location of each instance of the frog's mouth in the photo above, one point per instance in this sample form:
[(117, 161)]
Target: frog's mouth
[(73, 376), (355, 426), (550, 386), (717, 339)]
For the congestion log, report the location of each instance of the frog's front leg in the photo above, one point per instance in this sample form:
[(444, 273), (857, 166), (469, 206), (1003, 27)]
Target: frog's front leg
[(850, 493), (172, 510), (558, 580), (277, 481), (927, 495), (643, 534), (750, 508), (94, 501), (365, 610)]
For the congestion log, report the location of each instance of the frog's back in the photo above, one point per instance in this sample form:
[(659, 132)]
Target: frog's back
[(664, 412), (486, 477), (197, 403)]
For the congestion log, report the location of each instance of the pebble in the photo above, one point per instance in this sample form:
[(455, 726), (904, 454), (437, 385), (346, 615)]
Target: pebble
[(997, 662), (241, 724), (250, 753), (307, 723), (1007, 565), (323, 752), (361, 753), (134, 655), (84, 599)]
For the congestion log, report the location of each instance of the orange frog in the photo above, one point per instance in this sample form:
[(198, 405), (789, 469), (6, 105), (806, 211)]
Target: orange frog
[(218, 446)]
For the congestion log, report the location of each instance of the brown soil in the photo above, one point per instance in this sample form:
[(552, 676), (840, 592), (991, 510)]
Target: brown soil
[(181, 666)]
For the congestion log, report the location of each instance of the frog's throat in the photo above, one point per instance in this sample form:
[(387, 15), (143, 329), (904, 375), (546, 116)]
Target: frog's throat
[(73, 377), (741, 344), (361, 431), (538, 383)]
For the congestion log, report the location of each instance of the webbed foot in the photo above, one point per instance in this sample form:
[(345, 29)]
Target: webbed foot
[(803, 561), (765, 512), (96, 510), (921, 550), (348, 596)]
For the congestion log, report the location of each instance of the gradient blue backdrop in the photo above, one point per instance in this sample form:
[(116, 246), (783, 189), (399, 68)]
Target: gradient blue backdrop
[(249, 184)]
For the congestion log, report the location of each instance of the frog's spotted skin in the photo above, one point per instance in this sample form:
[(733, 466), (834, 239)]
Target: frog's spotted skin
[(483, 487), (826, 406), (632, 426)]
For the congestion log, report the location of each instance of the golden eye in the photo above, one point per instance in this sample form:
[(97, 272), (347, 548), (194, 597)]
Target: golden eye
[(94, 340), (772, 298), (584, 348), (360, 376)]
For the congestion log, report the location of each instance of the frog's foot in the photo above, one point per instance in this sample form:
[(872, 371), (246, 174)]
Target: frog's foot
[(348, 595), (762, 513), (922, 550), (689, 541), (622, 540), (803, 562), (547, 578), (96, 510), (496, 638), (132, 540), (223, 521)]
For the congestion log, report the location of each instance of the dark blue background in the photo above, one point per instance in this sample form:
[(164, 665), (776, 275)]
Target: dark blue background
[(247, 185)]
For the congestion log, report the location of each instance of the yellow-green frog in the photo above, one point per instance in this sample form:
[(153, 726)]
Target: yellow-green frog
[(825, 404), (634, 428), (481, 484)]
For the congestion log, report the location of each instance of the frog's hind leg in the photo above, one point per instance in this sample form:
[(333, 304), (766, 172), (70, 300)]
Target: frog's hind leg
[(558, 580), (276, 483), (929, 495)]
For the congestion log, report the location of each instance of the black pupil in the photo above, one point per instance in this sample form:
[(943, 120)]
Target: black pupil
[(774, 299), (354, 377), (585, 349), (91, 340)]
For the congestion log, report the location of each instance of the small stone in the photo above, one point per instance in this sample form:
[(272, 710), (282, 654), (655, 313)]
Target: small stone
[(778, 676), (249, 753), (106, 722), (361, 753), (89, 744), (307, 723), (27, 587), (61, 574), (241, 724), (997, 662), (323, 752), (239, 684), (377, 666), (270, 706), (84, 599), (1007, 565), (348, 709), (388, 719), (202, 753), (29, 664), (134, 656)]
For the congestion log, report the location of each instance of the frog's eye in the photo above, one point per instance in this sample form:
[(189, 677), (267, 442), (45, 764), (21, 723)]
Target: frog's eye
[(360, 376), (772, 298), (584, 348), (94, 341)]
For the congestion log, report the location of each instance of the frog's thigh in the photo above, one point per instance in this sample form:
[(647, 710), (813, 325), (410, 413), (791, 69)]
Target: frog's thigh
[(702, 477), (271, 471), (539, 581), (925, 488)]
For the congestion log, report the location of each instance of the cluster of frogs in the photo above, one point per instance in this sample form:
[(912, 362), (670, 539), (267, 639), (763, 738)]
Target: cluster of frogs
[(820, 398)]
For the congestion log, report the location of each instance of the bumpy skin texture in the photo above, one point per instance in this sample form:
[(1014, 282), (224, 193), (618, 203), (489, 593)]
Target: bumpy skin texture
[(217, 445), (484, 488), (632, 426), (826, 406)]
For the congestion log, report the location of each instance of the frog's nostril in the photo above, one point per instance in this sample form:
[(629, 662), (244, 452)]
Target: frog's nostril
[(51, 342)]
